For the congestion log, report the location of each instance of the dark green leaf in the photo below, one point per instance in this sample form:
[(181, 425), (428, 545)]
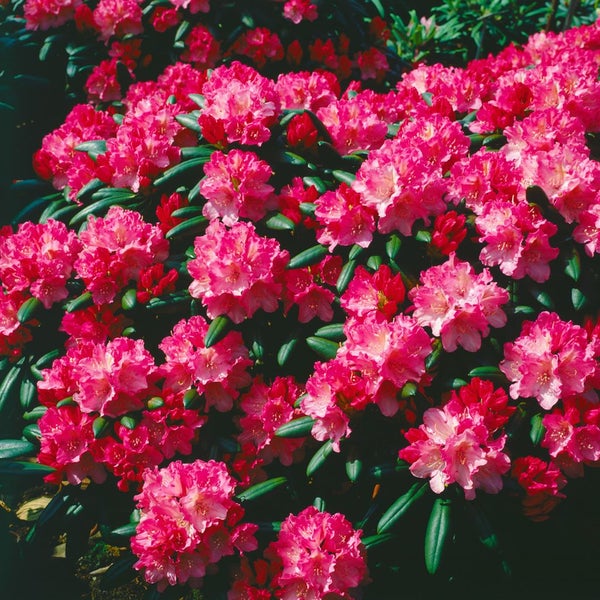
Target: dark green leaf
[(82, 302), (119, 573), (578, 299), (287, 348), (189, 121), (296, 428), (32, 433), (182, 168), (27, 393), (23, 468), (29, 309), (379, 538), (538, 430), (344, 176), (401, 505), (217, 330), (260, 489), (573, 265), (436, 534), (101, 427), (189, 227), (326, 349), (308, 257), (16, 448), (279, 222), (319, 458), (345, 276), (333, 331)]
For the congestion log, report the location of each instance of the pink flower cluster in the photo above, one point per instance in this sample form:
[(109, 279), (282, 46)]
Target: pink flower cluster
[(321, 556), (461, 442), (236, 271), (458, 305), (189, 522), (378, 358), (551, 360)]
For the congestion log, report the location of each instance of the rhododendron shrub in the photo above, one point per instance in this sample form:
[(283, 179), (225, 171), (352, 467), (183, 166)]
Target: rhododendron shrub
[(289, 313)]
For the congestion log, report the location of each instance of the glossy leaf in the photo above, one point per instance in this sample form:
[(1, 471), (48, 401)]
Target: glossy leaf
[(401, 505), (319, 458), (436, 534), (260, 489), (279, 222), (29, 309), (333, 331), (308, 257), (217, 330), (182, 168), (345, 276), (296, 428), (190, 227), (325, 348), (16, 448), (537, 431)]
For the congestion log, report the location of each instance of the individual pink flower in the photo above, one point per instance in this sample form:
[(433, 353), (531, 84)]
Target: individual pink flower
[(517, 239), (103, 85), (378, 293), (372, 64), (47, 14), (235, 185), (67, 442), (304, 288), (95, 324), (458, 304), (201, 48), (307, 89), (448, 232), (164, 18), (154, 282), (260, 45), (550, 360), (239, 103), (194, 6), (344, 219), (297, 11), (218, 372), (117, 18), (188, 522), (236, 271), (116, 249), (266, 408), (460, 441), (321, 556)]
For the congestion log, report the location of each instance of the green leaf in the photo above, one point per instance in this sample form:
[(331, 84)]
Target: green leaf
[(537, 430), (325, 348), (333, 331), (92, 147), (578, 299), (191, 398), (287, 348), (260, 489), (487, 372), (128, 421), (279, 222), (401, 505), (542, 297), (436, 534), (35, 413), (82, 302), (383, 471), (189, 227), (374, 262), (33, 434), (423, 236), (129, 299), (292, 158), (125, 531), (487, 536), (573, 265), (296, 428), (182, 168), (354, 467), (189, 121), (28, 309), (8, 387), (100, 207), (186, 212), (101, 427), (319, 458), (171, 301), (27, 393), (24, 468), (392, 246), (119, 573), (16, 448), (344, 176), (217, 330), (89, 188), (345, 276), (204, 152), (319, 184), (377, 539), (155, 403), (308, 257)]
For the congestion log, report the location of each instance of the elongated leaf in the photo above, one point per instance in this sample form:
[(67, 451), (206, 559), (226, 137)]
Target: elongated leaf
[(27, 393), (125, 531), (487, 372), (293, 159), (92, 147), (119, 573), (377, 539), (29, 309), (10, 386), (89, 188), (81, 302), (319, 184), (24, 468), (308, 257), (34, 414), (260, 489), (101, 427), (344, 176), (100, 207), (185, 212), (279, 222), (287, 348), (354, 467), (295, 428), (129, 299), (573, 265), (325, 348), (182, 168), (345, 276), (32, 434), (537, 430), (392, 246), (401, 505), (217, 330), (436, 534), (190, 227), (380, 472), (204, 152), (333, 331), (16, 448), (189, 121), (319, 458)]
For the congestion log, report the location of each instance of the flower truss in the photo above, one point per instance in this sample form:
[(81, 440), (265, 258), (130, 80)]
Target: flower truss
[(278, 310)]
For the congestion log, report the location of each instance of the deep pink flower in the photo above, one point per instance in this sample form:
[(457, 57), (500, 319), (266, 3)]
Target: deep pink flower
[(300, 10), (321, 555), (235, 185), (259, 44), (188, 521), (307, 89), (550, 360), (102, 85), (236, 271), (117, 18), (194, 6), (458, 304), (46, 14), (201, 48)]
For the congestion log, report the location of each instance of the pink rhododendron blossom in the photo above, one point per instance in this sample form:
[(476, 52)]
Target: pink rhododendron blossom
[(102, 85), (188, 522), (303, 287), (236, 271), (95, 324), (517, 239), (297, 11), (550, 360), (345, 220), (378, 293), (116, 249), (235, 185), (371, 367), (47, 14), (240, 104), (38, 258), (448, 232), (117, 18), (67, 443), (459, 442), (311, 90), (321, 556), (459, 305), (372, 64), (194, 6), (572, 435), (266, 408), (201, 48), (259, 44), (218, 372), (164, 18)]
